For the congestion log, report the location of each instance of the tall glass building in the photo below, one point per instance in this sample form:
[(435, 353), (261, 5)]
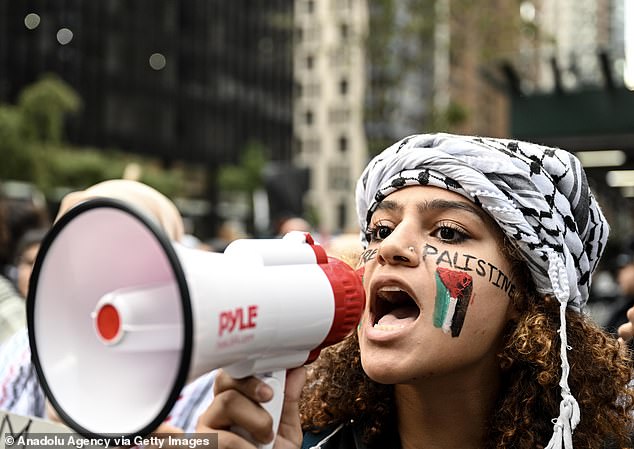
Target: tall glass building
[(187, 80)]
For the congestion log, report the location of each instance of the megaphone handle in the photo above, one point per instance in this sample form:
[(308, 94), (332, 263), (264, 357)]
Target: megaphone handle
[(277, 381)]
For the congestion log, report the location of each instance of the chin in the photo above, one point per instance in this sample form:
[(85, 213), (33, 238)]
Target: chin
[(385, 372)]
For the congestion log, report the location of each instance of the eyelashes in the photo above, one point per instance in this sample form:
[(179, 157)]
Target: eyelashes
[(446, 232), (379, 232), (450, 232)]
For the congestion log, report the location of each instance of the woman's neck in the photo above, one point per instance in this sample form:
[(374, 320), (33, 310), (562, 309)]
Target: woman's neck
[(448, 411)]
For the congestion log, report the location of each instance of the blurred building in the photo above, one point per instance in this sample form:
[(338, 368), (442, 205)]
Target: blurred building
[(481, 34), (187, 80), (566, 42), (569, 90), (432, 67), (400, 72), (330, 71)]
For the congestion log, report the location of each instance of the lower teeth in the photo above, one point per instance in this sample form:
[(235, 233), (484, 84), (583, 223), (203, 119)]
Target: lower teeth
[(388, 327)]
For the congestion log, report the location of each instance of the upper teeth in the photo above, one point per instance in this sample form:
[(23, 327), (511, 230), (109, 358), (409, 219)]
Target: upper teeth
[(391, 288), (386, 293)]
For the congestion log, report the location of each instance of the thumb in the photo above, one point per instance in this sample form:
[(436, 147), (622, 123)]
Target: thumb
[(295, 379), (290, 429)]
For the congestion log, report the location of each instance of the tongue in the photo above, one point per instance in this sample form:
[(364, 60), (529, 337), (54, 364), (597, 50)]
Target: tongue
[(399, 316)]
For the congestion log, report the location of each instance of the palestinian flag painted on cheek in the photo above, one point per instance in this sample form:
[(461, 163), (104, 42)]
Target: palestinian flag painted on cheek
[(453, 294)]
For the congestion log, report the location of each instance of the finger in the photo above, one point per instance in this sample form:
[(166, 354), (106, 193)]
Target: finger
[(168, 428), (51, 413), (159, 436), (231, 408), (161, 432), (295, 380), (290, 429), (251, 387), (626, 331), (630, 314)]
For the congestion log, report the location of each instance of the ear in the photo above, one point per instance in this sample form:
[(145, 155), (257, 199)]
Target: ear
[(511, 312)]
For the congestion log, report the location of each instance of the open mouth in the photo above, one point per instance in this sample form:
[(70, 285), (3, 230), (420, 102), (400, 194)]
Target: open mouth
[(394, 308)]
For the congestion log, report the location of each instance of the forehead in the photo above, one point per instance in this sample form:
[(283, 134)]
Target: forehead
[(428, 197)]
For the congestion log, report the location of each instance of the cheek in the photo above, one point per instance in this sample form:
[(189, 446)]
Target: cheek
[(488, 311), (454, 293), (366, 271), (475, 331), (471, 302), (367, 256)]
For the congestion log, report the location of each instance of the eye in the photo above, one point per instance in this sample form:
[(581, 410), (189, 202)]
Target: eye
[(378, 233), (450, 233)]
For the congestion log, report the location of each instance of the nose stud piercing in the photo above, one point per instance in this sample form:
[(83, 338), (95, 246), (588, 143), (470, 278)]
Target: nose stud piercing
[(411, 248)]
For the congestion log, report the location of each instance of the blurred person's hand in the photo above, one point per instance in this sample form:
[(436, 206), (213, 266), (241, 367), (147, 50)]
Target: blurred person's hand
[(626, 331)]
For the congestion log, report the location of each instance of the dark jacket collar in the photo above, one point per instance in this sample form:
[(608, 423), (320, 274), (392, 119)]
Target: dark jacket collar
[(343, 436)]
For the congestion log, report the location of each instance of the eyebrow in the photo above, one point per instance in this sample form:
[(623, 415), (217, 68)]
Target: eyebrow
[(437, 204)]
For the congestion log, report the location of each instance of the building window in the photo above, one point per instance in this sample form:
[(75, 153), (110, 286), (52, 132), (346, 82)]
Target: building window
[(310, 62), (311, 147), (310, 6), (343, 6), (342, 211), (311, 34), (344, 31), (343, 86), (309, 117), (311, 90), (343, 144), (340, 56), (339, 177), (339, 115)]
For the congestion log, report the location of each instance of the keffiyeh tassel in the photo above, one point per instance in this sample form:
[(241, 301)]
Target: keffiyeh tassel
[(569, 412)]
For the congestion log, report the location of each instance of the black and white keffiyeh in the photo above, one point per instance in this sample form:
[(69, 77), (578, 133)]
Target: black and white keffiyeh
[(539, 196)]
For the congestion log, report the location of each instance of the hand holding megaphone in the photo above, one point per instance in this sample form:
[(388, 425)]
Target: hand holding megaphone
[(239, 402), (120, 318), (274, 405)]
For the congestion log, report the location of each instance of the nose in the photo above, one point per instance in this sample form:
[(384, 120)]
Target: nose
[(396, 250)]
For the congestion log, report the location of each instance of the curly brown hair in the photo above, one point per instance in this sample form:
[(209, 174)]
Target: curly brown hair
[(338, 391)]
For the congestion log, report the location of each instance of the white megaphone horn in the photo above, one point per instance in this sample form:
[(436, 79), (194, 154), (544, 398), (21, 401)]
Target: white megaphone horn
[(120, 318)]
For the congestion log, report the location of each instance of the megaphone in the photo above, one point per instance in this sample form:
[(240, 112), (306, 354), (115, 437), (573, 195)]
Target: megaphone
[(120, 318)]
